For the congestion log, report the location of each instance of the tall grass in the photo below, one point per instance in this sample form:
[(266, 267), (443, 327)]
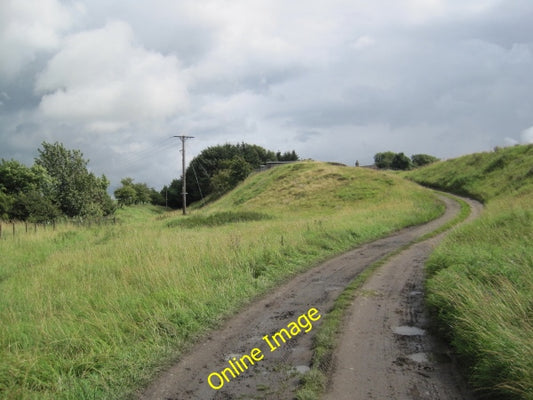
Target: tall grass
[(481, 277), (92, 313)]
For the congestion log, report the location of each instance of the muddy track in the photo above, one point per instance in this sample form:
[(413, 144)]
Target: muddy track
[(385, 350), (275, 374)]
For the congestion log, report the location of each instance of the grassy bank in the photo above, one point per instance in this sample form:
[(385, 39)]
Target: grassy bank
[(91, 313), (481, 277)]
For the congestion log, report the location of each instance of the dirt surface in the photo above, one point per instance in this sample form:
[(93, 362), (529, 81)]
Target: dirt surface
[(371, 362), (385, 350)]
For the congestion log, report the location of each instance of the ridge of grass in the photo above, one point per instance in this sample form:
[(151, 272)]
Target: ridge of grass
[(95, 312), (480, 284)]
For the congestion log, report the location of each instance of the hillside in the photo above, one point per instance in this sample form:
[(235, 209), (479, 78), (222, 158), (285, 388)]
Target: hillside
[(481, 278), (483, 176), (311, 186), (92, 313)]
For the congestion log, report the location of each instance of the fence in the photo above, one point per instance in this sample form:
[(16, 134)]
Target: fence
[(16, 228)]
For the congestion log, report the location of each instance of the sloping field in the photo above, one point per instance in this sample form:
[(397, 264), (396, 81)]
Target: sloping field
[(481, 284), (92, 313)]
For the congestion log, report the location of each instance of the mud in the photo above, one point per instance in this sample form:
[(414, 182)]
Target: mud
[(386, 350), (369, 351)]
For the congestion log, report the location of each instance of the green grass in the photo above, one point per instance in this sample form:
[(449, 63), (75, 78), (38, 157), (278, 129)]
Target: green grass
[(482, 176), (93, 313), (481, 277), (217, 219)]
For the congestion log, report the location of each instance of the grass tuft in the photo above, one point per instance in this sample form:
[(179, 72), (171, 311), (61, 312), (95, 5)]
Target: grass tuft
[(218, 219)]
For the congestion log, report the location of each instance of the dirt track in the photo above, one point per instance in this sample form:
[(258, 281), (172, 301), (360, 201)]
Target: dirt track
[(372, 362)]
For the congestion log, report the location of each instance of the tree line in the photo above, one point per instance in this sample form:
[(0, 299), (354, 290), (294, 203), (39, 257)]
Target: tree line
[(57, 184), (399, 161)]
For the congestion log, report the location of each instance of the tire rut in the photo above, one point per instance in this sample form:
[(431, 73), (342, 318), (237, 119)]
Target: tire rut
[(277, 374), (385, 350)]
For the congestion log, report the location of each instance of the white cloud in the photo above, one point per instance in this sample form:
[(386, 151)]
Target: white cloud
[(527, 135), (337, 80), (104, 79), (28, 27)]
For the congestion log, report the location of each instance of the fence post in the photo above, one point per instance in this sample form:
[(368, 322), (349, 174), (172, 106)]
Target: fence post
[(35, 227), (0, 230), (13, 229)]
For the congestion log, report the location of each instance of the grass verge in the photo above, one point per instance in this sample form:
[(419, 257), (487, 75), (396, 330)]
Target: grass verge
[(480, 284)]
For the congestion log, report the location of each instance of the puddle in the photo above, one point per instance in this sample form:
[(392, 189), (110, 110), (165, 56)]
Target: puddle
[(408, 331), (302, 369), (419, 357), (416, 293), (230, 356)]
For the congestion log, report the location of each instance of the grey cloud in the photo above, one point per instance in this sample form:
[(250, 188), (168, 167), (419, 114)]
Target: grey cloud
[(334, 81)]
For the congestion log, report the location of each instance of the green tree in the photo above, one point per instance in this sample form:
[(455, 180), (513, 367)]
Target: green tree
[(75, 190), (25, 192), (6, 202), (133, 193), (401, 162), (15, 177), (33, 206), (207, 173), (172, 194), (125, 195), (142, 192), (420, 160), (287, 156), (226, 179), (384, 160), (156, 198)]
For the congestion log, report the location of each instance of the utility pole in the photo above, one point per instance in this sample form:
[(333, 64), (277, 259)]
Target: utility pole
[(184, 184)]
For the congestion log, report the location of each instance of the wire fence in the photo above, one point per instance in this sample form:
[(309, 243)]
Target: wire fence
[(17, 228)]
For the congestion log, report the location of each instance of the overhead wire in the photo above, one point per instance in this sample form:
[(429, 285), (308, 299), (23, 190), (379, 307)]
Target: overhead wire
[(136, 156)]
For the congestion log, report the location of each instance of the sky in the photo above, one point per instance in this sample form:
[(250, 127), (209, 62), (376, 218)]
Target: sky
[(336, 80)]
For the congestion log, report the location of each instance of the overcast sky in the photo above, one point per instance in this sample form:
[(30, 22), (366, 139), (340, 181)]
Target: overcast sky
[(335, 80)]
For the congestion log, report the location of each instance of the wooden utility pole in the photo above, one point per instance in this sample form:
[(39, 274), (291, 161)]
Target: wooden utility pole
[(184, 184)]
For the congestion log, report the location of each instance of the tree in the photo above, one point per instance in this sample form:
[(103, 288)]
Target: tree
[(15, 177), (401, 162), (74, 189), (156, 198), (218, 169), (142, 192), (173, 194), (384, 160), (134, 193), (25, 192), (236, 171), (420, 160), (5, 205), (126, 195), (287, 156), (33, 206)]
